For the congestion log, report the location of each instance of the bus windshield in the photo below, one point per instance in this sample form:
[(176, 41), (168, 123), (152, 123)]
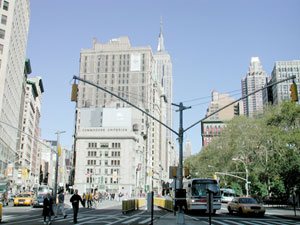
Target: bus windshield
[(199, 188)]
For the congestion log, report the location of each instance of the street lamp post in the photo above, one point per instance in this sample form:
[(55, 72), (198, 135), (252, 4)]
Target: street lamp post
[(236, 159)]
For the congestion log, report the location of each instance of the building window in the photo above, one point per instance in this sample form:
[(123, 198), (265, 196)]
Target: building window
[(3, 19), (5, 5), (1, 49), (2, 33)]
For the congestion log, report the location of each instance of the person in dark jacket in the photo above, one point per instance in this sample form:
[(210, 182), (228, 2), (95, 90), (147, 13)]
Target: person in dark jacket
[(75, 199), (47, 208)]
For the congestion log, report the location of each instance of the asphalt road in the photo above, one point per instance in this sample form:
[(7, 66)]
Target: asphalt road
[(109, 212)]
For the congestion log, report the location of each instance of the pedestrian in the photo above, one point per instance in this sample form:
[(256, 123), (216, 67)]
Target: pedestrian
[(100, 197), (90, 200), (61, 204), (75, 199), (120, 195), (84, 199), (96, 199), (87, 196), (47, 209)]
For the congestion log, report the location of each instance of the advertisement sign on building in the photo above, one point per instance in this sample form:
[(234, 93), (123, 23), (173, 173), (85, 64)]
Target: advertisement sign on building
[(135, 62)]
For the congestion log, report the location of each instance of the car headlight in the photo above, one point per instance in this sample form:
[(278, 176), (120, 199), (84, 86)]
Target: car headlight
[(16, 200), (247, 207), (27, 200)]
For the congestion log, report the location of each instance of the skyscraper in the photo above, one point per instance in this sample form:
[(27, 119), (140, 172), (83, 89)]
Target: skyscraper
[(254, 80), (14, 25), (164, 73), (283, 70), (29, 159)]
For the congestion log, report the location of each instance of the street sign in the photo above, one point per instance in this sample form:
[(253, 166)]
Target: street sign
[(249, 182)]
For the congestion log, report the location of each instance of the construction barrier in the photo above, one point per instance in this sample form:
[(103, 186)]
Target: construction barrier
[(140, 202), (128, 205), (132, 204), (164, 203)]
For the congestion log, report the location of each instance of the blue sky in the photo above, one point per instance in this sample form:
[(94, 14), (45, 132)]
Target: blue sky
[(210, 43)]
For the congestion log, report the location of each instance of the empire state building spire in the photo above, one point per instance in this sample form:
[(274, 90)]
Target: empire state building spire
[(161, 47)]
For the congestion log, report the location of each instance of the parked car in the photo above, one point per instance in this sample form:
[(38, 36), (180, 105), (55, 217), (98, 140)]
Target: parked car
[(25, 198), (246, 205), (39, 201)]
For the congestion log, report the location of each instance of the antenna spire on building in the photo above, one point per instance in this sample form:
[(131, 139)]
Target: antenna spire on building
[(161, 46)]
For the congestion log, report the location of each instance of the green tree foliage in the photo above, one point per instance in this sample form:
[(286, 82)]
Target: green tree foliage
[(268, 144)]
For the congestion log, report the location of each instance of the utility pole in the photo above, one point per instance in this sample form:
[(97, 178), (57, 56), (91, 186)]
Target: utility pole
[(180, 192), (56, 166)]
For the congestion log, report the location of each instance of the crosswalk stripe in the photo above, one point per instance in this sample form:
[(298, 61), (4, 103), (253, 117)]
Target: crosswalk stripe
[(229, 221), (218, 221), (131, 220), (145, 221)]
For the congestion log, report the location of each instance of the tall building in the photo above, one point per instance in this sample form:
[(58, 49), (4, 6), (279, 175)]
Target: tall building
[(283, 70), (118, 148), (14, 25), (254, 80), (214, 124), (28, 153), (164, 75), (187, 150)]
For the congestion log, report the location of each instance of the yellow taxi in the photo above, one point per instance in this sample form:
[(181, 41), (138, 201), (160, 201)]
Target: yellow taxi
[(246, 205), (25, 198)]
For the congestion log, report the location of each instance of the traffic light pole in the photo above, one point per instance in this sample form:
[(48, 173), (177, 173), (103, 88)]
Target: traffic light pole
[(180, 214), (56, 166)]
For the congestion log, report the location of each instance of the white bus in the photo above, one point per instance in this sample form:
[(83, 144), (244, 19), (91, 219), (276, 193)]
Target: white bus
[(227, 195), (196, 192)]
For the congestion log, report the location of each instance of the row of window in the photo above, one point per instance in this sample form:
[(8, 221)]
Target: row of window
[(100, 180), (103, 145), (92, 162), (106, 154), (95, 171), (290, 69)]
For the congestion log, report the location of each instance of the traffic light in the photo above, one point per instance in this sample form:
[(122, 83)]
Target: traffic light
[(294, 92), (186, 172), (174, 172), (74, 93)]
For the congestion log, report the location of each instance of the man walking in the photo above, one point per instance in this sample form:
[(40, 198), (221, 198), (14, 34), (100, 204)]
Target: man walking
[(61, 205), (47, 208), (75, 204)]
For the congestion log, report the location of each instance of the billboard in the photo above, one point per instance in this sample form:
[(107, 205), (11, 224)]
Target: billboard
[(135, 62), (117, 117)]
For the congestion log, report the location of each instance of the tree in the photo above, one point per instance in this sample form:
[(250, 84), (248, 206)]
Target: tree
[(268, 144)]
